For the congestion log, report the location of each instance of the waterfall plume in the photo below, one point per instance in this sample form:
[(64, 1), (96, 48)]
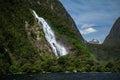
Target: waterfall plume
[(57, 48)]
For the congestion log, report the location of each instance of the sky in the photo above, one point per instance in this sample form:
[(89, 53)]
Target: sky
[(94, 18)]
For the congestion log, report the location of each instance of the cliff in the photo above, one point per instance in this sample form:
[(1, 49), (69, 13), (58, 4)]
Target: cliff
[(23, 46)]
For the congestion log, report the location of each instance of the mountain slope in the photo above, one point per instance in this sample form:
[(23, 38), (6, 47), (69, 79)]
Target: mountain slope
[(23, 47), (114, 36)]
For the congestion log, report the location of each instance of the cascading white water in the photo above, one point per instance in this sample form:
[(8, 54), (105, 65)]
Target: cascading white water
[(58, 49)]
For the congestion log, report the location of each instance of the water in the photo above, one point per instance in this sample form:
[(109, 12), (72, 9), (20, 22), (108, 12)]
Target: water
[(58, 49), (62, 76)]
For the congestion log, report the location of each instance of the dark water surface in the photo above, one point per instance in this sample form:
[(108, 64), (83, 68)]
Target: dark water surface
[(62, 76)]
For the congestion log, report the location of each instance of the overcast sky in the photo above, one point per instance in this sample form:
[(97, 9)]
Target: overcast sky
[(94, 18)]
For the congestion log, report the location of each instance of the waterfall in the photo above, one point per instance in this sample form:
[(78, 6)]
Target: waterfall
[(58, 49)]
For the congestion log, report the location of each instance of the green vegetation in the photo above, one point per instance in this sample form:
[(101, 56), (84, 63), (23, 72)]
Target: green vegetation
[(107, 57)]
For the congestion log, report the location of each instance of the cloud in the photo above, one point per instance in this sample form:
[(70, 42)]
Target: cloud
[(87, 25), (88, 31)]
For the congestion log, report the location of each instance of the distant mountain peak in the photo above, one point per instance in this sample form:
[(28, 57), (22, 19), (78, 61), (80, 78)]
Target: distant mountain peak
[(94, 41)]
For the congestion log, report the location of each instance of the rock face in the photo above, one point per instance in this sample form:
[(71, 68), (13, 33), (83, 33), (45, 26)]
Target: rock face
[(113, 39), (94, 41)]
